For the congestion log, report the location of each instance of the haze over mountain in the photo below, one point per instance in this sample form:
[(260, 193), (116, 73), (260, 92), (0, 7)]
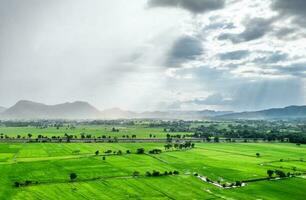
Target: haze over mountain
[(289, 112), (82, 110), (2, 109)]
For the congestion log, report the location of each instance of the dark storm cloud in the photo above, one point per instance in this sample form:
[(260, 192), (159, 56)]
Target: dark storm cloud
[(255, 28), (184, 49), (294, 8), (234, 55), (194, 6)]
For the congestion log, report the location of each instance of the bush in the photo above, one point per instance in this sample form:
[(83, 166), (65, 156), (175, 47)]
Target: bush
[(280, 173), (136, 173), (148, 174), (155, 173), (73, 176), (27, 182), (108, 151), (238, 183), (140, 151), (17, 184), (176, 172), (270, 172)]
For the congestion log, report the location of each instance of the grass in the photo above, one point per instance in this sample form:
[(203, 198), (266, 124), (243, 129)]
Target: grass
[(140, 131), (51, 164)]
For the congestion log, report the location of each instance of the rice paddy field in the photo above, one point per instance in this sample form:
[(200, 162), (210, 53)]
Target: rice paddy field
[(139, 131), (48, 166)]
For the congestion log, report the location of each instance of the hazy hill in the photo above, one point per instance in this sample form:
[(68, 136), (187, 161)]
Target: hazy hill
[(187, 115), (289, 112), (2, 109), (117, 113), (32, 110), (83, 110)]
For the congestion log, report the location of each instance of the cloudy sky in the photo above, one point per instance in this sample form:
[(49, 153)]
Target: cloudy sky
[(154, 54)]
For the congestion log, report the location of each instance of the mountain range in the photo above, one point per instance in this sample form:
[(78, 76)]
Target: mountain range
[(290, 112), (82, 110), (2, 109)]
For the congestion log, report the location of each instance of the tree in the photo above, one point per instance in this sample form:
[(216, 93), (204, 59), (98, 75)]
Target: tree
[(73, 176), (136, 173), (97, 152), (270, 172), (30, 135), (257, 155), (216, 139), (140, 151), (17, 184), (103, 158), (155, 173), (238, 183), (280, 173)]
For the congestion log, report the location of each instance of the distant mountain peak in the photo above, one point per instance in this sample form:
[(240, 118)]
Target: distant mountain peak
[(25, 109)]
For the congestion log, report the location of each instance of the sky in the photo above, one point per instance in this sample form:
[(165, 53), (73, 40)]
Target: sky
[(154, 54)]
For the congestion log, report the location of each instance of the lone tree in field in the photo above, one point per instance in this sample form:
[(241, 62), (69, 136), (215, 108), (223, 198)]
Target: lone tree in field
[(73, 176), (97, 152), (270, 172), (257, 155)]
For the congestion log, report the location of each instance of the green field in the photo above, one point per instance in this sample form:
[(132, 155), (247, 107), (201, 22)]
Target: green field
[(139, 131), (51, 164)]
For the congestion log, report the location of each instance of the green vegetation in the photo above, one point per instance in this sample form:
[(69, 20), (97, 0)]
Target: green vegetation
[(178, 169), (53, 171)]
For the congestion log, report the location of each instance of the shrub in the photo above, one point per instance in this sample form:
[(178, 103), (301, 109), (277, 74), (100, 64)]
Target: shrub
[(280, 173), (140, 151), (270, 172), (238, 183), (108, 151), (73, 176), (136, 173), (155, 173), (27, 182), (17, 184), (176, 172)]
